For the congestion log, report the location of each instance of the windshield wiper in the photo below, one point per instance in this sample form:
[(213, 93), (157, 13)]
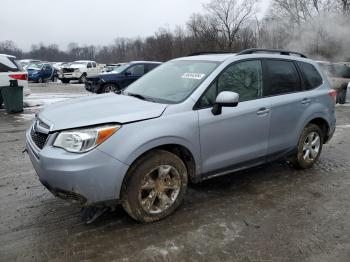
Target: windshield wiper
[(140, 97)]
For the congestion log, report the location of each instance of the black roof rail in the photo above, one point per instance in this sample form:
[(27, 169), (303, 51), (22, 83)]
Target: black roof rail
[(208, 53), (261, 50)]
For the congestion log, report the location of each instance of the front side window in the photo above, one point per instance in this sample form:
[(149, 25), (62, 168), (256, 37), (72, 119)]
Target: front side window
[(89, 65), (136, 70), (173, 81), (244, 78), (283, 78), (93, 64)]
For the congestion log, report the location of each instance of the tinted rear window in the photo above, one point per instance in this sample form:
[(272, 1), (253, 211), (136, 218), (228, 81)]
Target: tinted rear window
[(311, 77), (8, 64), (283, 78)]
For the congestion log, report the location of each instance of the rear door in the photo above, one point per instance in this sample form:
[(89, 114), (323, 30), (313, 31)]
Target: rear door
[(239, 136), (283, 88), (47, 70)]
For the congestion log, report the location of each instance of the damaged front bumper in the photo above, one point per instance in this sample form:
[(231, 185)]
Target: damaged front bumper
[(90, 178)]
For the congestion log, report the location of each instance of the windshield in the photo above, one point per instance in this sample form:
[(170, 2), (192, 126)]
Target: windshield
[(35, 66), (173, 81), (78, 63), (120, 69)]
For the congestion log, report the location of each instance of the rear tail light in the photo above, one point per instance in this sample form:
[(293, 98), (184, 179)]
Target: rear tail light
[(19, 76), (333, 93)]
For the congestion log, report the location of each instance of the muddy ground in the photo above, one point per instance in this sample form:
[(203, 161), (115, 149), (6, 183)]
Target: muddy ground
[(269, 213)]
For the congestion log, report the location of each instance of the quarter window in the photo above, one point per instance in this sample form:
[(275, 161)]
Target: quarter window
[(283, 78), (244, 78), (311, 77)]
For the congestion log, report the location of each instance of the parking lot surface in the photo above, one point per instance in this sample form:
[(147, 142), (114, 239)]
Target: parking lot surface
[(269, 213)]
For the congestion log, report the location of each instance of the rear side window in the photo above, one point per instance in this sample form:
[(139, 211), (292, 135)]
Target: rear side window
[(8, 64), (93, 64), (283, 78), (150, 67), (311, 77)]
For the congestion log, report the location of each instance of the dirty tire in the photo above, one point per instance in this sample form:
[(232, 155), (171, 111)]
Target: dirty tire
[(82, 79), (135, 180), (40, 80), (298, 160), (341, 96), (110, 88)]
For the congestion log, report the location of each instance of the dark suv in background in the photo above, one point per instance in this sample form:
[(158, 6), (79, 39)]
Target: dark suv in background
[(120, 77), (339, 77)]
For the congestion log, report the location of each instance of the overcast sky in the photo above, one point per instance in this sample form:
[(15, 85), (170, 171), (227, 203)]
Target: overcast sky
[(95, 22)]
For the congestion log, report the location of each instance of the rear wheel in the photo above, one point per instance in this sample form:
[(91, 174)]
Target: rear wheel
[(154, 186), (40, 80), (309, 147), (54, 79), (110, 88)]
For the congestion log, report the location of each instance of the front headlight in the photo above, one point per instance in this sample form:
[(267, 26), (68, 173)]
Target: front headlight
[(83, 140), (76, 70)]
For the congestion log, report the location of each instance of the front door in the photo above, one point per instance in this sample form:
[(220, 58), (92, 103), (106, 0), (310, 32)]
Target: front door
[(238, 137)]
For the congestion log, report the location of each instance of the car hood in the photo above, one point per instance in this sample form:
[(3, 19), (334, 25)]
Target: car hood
[(99, 109)]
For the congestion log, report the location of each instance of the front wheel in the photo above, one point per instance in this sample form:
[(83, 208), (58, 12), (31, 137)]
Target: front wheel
[(154, 186), (309, 147), (40, 80), (82, 79)]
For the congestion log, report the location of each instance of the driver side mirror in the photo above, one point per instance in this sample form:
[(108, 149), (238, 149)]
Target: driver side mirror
[(225, 99)]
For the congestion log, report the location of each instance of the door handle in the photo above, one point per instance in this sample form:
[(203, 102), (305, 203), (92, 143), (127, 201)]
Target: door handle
[(306, 101), (263, 111)]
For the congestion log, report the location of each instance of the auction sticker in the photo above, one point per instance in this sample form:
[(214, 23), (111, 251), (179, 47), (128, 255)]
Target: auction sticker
[(197, 76)]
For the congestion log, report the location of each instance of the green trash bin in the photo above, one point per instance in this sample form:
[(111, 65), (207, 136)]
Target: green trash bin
[(13, 97), (1, 101)]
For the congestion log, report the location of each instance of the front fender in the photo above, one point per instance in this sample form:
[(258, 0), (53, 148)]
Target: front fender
[(134, 139)]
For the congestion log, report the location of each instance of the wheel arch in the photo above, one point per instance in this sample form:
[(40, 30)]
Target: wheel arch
[(323, 124), (178, 149)]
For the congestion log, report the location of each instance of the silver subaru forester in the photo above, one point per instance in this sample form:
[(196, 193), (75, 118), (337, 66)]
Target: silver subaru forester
[(190, 119)]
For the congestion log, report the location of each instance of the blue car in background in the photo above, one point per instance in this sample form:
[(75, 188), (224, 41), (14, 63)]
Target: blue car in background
[(121, 77), (41, 72)]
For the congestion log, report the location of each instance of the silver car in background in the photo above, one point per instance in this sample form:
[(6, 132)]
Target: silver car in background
[(188, 120)]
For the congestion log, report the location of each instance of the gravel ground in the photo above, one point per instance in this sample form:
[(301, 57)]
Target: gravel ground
[(269, 213)]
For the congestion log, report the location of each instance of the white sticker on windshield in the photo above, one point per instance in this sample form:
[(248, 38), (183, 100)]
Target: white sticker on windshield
[(193, 76)]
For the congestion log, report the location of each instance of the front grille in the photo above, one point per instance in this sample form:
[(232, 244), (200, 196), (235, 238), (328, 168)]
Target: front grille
[(38, 138), (67, 70)]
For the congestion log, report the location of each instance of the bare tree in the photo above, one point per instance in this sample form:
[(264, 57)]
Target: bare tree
[(230, 16)]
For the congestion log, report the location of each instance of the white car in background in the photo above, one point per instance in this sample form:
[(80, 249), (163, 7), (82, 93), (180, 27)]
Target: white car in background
[(11, 70), (79, 70), (26, 62)]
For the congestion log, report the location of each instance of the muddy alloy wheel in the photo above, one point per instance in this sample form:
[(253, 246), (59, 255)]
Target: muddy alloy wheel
[(110, 88), (309, 147), (159, 189), (154, 186)]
